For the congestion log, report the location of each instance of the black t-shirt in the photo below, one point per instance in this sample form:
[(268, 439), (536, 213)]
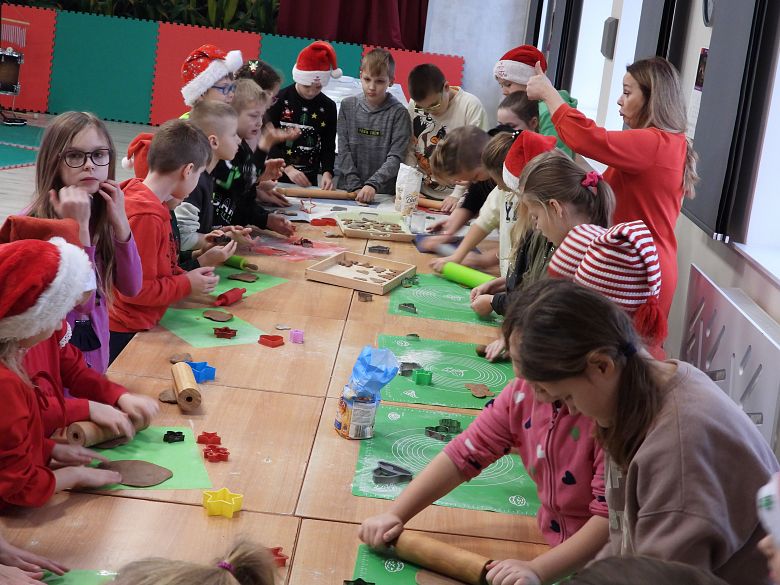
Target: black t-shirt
[(476, 195)]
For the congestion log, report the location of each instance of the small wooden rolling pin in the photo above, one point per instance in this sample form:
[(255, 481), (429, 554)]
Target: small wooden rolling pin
[(430, 203), (185, 388), (441, 557), (307, 193), (86, 433)]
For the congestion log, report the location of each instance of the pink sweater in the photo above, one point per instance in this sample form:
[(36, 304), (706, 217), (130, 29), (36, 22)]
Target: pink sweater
[(557, 449)]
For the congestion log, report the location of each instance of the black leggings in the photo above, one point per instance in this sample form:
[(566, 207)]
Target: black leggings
[(116, 343)]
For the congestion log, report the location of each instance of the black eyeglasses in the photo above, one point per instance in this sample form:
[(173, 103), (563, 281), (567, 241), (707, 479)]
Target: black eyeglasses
[(78, 158)]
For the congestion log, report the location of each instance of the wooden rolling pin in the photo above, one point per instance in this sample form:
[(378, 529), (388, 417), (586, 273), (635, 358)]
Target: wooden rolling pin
[(185, 388), (441, 557), (430, 203), (307, 193), (86, 433)]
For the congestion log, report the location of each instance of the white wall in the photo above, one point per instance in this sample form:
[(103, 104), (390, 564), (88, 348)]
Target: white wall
[(481, 36)]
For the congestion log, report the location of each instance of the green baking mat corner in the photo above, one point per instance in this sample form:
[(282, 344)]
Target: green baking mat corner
[(11, 156), (263, 282), (191, 326), (383, 569), (440, 299), (399, 437), (453, 365), (79, 577), (184, 459), (21, 135)]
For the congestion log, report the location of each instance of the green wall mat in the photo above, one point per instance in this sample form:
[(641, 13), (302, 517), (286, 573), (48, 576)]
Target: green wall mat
[(281, 52), (453, 365), (440, 299), (184, 459), (103, 65), (263, 282), (21, 135), (399, 437), (191, 326), (76, 577), (11, 156)]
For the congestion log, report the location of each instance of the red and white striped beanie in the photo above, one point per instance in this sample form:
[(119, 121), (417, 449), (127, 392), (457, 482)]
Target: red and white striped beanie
[(622, 264)]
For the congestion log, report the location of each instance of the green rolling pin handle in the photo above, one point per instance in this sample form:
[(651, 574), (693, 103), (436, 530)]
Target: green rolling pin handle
[(238, 262), (465, 275)]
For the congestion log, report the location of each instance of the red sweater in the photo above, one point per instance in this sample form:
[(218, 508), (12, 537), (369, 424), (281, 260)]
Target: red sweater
[(55, 364), (25, 479), (646, 172), (164, 282)]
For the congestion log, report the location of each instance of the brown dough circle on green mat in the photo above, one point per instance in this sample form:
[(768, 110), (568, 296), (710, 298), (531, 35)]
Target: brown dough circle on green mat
[(218, 316), (425, 577), (137, 473), (243, 276)]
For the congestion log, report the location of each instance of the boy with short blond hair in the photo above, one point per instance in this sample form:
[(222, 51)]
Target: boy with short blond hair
[(235, 189), (436, 107), (374, 130), (178, 155)]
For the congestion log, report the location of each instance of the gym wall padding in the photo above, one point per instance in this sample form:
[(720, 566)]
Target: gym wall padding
[(405, 61), (174, 43), (104, 65), (281, 52), (35, 71)]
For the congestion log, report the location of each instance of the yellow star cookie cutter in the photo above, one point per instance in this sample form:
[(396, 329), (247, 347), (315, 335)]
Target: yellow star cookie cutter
[(222, 502)]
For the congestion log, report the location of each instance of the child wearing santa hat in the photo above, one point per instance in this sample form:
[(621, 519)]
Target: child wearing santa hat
[(514, 70), (302, 105), (33, 304), (206, 74)]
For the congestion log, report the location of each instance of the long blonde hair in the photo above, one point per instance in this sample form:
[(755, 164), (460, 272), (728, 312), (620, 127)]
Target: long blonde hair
[(56, 139), (665, 108), (10, 356), (247, 564)]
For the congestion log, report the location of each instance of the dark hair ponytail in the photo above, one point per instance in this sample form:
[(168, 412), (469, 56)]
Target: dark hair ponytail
[(566, 320)]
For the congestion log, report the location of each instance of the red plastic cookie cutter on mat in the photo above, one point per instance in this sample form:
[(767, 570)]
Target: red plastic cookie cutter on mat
[(271, 340), (320, 221)]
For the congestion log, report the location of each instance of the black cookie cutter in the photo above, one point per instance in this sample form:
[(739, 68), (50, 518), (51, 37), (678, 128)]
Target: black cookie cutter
[(173, 436), (379, 249), (444, 431), (408, 307), (358, 581), (406, 368), (391, 473)]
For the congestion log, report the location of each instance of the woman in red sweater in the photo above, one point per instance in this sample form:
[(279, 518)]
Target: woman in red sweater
[(652, 165)]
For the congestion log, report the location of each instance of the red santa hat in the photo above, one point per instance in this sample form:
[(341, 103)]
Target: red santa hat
[(316, 64), (204, 67), (519, 64), (622, 264), (137, 153), (39, 283), (527, 146)]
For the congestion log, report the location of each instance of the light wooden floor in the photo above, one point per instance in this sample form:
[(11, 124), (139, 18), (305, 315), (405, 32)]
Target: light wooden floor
[(275, 409)]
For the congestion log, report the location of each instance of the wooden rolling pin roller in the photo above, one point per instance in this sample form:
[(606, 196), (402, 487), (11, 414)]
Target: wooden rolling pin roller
[(87, 434), (185, 388), (307, 193), (442, 558), (430, 203)]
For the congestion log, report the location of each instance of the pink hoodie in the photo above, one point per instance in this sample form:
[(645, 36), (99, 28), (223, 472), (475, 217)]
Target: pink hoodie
[(557, 448)]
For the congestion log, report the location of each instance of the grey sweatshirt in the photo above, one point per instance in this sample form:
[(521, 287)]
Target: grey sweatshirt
[(372, 143), (689, 493)]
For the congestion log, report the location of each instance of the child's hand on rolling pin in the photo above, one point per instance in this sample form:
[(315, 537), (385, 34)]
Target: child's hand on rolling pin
[(511, 572), (108, 417), (140, 409), (203, 280), (438, 264), (380, 530), (481, 305), (217, 255)]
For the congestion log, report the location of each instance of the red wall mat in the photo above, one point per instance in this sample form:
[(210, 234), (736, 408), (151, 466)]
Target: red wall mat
[(174, 43), (35, 72), (405, 61)]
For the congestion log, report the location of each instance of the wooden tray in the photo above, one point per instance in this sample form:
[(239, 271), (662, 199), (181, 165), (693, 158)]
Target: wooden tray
[(393, 217), (331, 272)]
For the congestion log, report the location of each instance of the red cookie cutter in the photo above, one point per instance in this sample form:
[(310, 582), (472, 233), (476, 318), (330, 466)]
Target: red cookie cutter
[(229, 297), (271, 340), (320, 221), (206, 438), (225, 332), (279, 557), (212, 454)]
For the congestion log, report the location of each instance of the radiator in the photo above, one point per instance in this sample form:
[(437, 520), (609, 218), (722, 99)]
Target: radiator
[(737, 344)]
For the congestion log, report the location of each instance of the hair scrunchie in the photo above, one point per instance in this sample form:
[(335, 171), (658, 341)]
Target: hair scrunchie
[(591, 179), (227, 566)]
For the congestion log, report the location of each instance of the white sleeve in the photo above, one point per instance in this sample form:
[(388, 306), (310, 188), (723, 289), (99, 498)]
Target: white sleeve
[(187, 218)]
